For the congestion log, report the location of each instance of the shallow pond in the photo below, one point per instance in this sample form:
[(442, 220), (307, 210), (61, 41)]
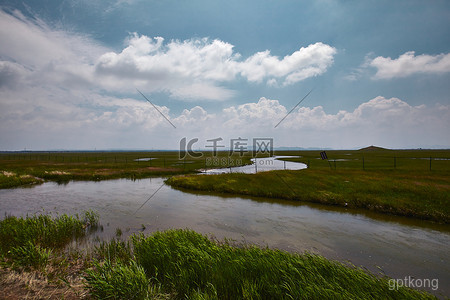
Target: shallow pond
[(261, 165), (399, 246)]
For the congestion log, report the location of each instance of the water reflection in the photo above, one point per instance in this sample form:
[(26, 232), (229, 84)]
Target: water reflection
[(261, 165)]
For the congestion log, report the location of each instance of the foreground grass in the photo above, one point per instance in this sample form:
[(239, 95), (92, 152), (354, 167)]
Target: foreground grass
[(30, 241), (424, 195), (175, 264), (182, 264), (34, 261)]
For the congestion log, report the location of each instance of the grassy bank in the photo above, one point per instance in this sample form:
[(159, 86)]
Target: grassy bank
[(11, 179), (424, 195), (175, 264)]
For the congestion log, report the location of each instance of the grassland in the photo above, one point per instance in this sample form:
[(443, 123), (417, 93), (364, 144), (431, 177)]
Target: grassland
[(175, 264), (25, 168), (395, 182)]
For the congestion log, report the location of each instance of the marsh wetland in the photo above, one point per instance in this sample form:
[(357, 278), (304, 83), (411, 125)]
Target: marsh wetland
[(384, 244)]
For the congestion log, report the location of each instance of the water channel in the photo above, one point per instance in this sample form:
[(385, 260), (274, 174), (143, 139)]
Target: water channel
[(396, 246)]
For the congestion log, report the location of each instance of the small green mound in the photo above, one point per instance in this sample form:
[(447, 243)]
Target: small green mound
[(373, 148)]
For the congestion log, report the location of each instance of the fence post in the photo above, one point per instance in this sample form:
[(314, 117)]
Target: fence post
[(395, 162), (363, 164), (430, 163)]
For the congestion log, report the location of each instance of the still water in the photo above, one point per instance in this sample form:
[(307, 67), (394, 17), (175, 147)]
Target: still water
[(397, 246), (261, 165)]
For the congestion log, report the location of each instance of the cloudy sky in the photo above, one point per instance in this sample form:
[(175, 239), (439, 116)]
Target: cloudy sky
[(70, 72)]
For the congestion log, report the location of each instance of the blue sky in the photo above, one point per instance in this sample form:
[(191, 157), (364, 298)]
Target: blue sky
[(379, 70)]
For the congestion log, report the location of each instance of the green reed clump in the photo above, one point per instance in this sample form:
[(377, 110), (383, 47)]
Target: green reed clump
[(28, 241), (187, 264), (30, 255), (114, 250), (117, 281), (176, 258)]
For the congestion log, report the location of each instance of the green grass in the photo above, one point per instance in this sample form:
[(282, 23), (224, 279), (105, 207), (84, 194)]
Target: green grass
[(118, 281), (10, 180), (182, 264), (29, 241), (379, 159), (34, 167)]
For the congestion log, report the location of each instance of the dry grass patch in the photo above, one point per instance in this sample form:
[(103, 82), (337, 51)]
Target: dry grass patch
[(34, 285)]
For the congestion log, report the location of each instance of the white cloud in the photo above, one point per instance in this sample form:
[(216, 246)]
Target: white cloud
[(408, 64), (304, 63), (193, 117), (45, 56), (49, 118), (11, 74), (200, 90), (257, 115), (193, 68), (386, 122), (36, 118)]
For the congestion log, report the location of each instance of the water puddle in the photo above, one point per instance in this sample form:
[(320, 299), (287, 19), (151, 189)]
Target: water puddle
[(145, 159), (261, 165)]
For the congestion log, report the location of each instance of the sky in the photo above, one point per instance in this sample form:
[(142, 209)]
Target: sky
[(71, 73)]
